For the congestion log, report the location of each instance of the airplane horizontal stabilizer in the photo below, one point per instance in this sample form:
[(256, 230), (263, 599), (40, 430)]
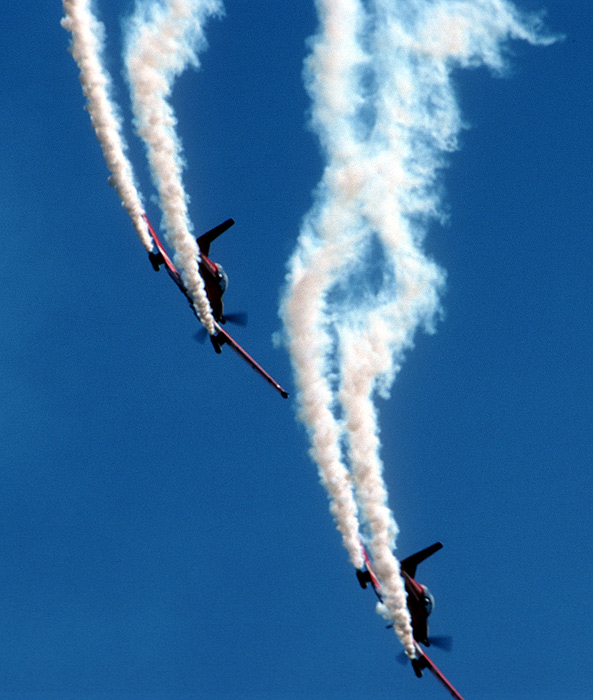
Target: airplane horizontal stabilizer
[(206, 239), (410, 563)]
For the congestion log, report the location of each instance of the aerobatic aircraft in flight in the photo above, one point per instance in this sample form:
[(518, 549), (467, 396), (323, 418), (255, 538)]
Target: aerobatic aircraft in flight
[(420, 604), (215, 283)]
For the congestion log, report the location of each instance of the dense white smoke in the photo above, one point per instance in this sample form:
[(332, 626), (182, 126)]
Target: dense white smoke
[(86, 47), (163, 39), (359, 283), (321, 256)]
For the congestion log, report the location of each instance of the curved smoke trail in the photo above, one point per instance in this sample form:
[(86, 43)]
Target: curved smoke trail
[(320, 256), (163, 39), (359, 283), (86, 48)]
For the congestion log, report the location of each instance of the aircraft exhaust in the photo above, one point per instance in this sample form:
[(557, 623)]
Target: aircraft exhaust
[(87, 48)]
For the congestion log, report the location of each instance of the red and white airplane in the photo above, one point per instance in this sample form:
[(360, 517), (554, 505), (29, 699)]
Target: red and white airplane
[(215, 283), (420, 604)]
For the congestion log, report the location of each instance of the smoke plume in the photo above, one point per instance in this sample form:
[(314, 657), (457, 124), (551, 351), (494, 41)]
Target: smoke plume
[(86, 48), (359, 282), (163, 39)]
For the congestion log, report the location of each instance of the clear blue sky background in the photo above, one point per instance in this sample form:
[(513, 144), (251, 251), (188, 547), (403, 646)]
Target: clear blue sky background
[(163, 534)]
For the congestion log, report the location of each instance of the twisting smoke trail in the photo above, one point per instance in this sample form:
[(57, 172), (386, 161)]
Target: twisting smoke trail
[(314, 267), (86, 48), (163, 39), (359, 284)]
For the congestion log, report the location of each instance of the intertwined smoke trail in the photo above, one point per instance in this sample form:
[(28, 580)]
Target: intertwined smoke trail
[(359, 283)]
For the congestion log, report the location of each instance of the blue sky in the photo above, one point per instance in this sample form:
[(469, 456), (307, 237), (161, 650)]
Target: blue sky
[(163, 531)]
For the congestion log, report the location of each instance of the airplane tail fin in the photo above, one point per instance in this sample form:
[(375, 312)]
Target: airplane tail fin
[(206, 239), (410, 563)]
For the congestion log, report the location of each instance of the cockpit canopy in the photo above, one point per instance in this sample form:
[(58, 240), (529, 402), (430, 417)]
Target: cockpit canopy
[(428, 601), (221, 278)]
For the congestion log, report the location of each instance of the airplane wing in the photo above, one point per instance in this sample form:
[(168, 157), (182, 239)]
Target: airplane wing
[(223, 338), (423, 661)]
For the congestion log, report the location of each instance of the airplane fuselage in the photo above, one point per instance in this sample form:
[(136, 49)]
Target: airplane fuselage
[(420, 603), (215, 284)]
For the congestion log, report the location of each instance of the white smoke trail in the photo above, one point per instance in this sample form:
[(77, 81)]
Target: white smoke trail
[(385, 110), (86, 48), (315, 265), (163, 39)]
